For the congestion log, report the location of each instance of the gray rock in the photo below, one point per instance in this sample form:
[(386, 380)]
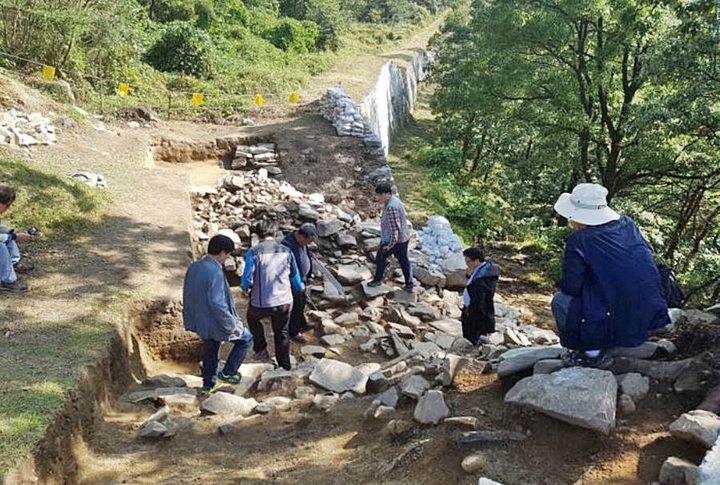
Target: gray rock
[(431, 408), (580, 396), (223, 403), (697, 425), (164, 380), (709, 469), (448, 326), (153, 429), (548, 366), (626, 405), (337, 376), (328, 228), (677, 471), (414, 386), (389, 398), (521, 359), (634, 385)]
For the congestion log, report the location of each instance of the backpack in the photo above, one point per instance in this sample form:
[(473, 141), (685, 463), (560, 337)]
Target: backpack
[(672, 292)]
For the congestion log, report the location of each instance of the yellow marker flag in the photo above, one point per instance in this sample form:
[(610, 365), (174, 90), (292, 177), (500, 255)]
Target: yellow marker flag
[(198, 99), (259, 100), (294, 97), (123, 89), (48, 72)]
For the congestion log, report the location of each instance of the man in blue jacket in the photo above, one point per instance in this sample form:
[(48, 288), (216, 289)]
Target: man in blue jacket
[(271, 272), (610, 290), (209, 310), (298, 242)]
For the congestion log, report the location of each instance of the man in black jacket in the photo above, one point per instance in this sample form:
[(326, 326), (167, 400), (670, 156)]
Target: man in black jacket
[(298, 242), (478, 313)]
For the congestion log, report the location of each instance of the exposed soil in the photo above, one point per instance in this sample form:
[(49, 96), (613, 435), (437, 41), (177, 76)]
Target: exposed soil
[(142, 249)]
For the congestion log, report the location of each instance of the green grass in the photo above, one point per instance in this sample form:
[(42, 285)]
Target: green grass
[(59, 206), (40, 361)]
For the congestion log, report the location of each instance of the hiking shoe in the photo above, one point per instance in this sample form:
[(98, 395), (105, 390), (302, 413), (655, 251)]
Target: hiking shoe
[(22, 268), (262, 355), (373, 284), (230, 379), (408, 288), (15, 286), (207, 390), (306, 328), (572, 358), (602, 361), (299, 339)]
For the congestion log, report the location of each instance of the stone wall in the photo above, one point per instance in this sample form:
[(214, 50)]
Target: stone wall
[(391, 101)]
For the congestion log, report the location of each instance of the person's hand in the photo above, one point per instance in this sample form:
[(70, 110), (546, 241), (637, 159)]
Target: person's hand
[(24, 236)]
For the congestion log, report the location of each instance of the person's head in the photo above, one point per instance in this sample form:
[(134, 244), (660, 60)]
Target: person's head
[(586, 206), (383, 192), (305, 234), (474, 257), (7, 197), (266, 228), (220, 247)]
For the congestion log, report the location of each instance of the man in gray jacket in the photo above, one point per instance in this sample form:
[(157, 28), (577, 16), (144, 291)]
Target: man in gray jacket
[(271, 272), (209, 310), (394, 236)]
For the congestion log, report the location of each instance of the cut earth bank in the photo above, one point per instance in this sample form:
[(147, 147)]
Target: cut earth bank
[(143, 248)]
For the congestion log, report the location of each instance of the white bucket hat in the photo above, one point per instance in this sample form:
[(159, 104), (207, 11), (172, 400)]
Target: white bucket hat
[(586, 205)]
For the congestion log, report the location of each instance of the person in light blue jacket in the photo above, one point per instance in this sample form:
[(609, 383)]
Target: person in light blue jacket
[(610, 291), (209, 310)]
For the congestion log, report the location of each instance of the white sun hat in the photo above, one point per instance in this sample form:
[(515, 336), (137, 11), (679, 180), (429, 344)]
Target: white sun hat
[(586, 205)]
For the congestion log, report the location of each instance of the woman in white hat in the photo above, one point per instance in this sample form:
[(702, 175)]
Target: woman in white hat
[(610, 290)]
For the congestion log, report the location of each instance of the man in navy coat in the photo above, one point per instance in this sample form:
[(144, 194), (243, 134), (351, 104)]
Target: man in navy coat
[(209, 310), (610, 290)]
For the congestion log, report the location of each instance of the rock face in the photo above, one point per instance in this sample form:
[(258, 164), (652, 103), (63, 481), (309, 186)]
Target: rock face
[(577, 395)]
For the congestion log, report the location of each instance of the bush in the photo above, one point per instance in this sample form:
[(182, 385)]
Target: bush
[(293, 35), (182, 48), (170, 10)]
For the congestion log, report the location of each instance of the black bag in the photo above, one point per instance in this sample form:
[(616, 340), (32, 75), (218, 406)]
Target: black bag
[(671, 288)]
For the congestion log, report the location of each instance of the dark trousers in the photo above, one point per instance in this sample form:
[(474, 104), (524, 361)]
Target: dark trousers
[(211, 357), (280, 318), (400, 251), (297, 315)]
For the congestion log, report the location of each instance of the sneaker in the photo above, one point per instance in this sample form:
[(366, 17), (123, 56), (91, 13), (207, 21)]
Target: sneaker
[(230, 379), (408, 288), (299, 339), (207, 390), (373, 284), (602, 361), (15, 286), (22, 268), (262, 355), (306, 328)]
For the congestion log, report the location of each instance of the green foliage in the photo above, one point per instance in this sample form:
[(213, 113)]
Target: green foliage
[(182, 48), (170, 10), (293, 35)]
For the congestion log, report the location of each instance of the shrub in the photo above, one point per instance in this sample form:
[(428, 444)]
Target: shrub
[(182, 48), (293, 35)]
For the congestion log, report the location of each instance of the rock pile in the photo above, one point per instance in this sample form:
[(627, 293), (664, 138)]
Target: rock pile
[(22, 130)]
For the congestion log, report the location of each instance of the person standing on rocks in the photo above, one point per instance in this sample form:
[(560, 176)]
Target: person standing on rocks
[(209, 310), (10, 264), (270, 276), (478, 313), (298, 242), (394, 236), (610, 291)]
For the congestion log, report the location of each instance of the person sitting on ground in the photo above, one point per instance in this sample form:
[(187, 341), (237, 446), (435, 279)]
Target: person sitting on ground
[(298, 242), (478, 313), (10, 264), (394, 236), (209, 310), (271, 272), (610, 291)]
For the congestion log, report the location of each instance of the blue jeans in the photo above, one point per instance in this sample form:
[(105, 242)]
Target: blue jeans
[(400, 251), (9, 255), (211, 357)]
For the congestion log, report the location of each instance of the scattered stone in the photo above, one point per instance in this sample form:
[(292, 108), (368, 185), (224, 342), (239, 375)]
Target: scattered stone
[(474, 463), (467, 437), (431, 408), (337, 376), (677, 471), (697, 425)]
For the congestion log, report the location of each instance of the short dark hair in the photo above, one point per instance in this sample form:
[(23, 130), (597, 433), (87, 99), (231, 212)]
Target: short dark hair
[(474, 253), (7, 194), (383, 188), (220, 243), (308, 230), (266, 227)]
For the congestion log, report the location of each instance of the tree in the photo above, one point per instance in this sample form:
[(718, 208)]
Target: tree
[(182, 48)]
